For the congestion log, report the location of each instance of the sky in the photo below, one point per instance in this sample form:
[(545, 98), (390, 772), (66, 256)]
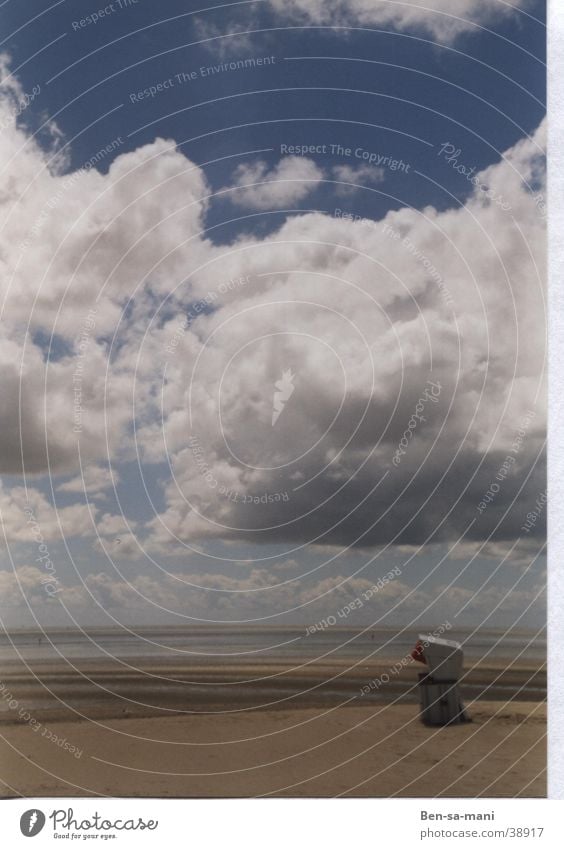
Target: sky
[(273, 313)]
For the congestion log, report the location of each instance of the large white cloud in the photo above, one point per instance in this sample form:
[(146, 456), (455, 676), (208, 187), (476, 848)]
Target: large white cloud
[(78, 249), (363, 314), (173, 346)]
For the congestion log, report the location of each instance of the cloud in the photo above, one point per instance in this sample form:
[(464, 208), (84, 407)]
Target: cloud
[(27, 516), (259, 598), (518, 553), (14, 113), (443, 20), (113, 525), (284, 185), (116, 537), (230, 37), (168, 346), (93, 481), (291, 180), (78, 248), (352, 177), (25, 585), (208, 596), (355, 312)]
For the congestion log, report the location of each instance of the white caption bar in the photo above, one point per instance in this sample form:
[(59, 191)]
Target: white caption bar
[(282, 823)]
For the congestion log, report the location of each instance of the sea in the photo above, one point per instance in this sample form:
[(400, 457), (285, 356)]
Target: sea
[(253, 645)]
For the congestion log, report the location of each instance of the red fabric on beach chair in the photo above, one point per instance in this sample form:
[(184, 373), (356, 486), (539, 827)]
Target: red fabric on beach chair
[(417, 653)]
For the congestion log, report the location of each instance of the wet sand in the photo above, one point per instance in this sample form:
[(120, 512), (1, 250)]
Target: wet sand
[(145, 687)]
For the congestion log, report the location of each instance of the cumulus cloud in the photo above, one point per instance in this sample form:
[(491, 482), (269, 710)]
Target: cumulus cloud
[(170, 346), (190, 597), (27, 515), (116, 537), (25, 585), (66, 280), (93, 481), (287, 183), (209, 596), (358, 313), (113, 526)]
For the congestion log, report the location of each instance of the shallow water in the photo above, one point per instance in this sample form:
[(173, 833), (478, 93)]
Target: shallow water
[(259, 645)]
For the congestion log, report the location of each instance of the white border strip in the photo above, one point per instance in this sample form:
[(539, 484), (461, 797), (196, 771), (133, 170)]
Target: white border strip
[(556, 401)]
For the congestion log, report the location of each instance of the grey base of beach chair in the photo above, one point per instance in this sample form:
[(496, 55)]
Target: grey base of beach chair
[(440, 702)]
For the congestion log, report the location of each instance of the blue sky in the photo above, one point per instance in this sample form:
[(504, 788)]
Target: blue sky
[(412, 88), (482, 93)]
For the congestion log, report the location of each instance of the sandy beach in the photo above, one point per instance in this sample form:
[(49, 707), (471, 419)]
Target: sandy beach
[(342, 752), (283, 733)]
